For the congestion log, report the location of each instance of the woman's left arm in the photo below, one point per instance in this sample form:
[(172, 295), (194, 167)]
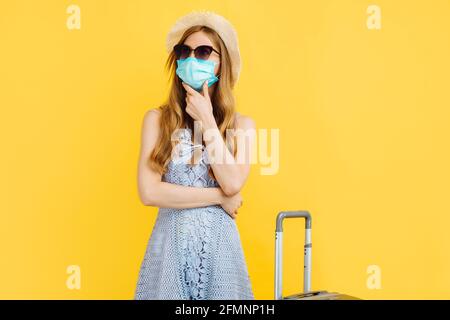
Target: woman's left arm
[(231, 173)]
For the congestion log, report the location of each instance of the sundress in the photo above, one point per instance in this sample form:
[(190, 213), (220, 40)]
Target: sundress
[(193, 253)]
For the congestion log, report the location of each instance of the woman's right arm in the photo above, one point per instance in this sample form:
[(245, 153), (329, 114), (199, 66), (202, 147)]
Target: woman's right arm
[(153, 191)]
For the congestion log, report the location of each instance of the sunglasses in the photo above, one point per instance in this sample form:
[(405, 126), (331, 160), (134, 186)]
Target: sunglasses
[(182, 51)]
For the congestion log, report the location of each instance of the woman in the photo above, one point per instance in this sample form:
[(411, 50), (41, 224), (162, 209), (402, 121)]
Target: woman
[(194, 251)]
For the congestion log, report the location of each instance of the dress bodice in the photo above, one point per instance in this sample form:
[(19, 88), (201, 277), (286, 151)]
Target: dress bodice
[(180, 171)]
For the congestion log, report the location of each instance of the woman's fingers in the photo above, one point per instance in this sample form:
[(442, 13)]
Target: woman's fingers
[(233, 214), (189, 89), (189, 99), (205, 90)]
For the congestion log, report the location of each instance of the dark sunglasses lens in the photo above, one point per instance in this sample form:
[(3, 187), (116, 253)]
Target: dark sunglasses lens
[(203, 52), (182, 51)]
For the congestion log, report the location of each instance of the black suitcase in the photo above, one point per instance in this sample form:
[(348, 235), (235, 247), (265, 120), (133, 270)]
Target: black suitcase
[(307, 293)]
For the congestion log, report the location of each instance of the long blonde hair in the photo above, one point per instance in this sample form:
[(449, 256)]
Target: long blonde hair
[(173, 115)]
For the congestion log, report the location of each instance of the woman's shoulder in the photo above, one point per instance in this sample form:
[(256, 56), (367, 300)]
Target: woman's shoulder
[(153, 113), (151, 120), (152, 116), (244, 121)]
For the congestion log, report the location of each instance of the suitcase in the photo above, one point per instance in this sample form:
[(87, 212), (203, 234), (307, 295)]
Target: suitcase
[(307, 293)]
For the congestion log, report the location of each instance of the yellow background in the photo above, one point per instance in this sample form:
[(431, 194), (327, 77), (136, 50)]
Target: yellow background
[(364, 142)]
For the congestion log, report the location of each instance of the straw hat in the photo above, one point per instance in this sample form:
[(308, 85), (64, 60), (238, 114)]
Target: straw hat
[(216, 22)]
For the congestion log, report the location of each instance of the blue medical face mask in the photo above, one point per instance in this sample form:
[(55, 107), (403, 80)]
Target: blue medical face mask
[(195, 72)]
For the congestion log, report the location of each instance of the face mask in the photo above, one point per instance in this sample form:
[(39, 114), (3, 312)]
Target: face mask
[(195, 72)]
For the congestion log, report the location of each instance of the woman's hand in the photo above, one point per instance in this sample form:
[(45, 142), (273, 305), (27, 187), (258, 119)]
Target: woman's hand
[(198, 105), (231, 203)]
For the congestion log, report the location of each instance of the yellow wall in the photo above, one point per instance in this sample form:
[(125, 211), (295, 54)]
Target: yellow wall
[(364, 142)]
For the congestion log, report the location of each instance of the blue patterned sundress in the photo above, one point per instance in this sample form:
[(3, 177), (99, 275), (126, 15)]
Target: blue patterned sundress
[(193, 253)]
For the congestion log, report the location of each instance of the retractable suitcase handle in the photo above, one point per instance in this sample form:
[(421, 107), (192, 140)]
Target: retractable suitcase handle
[(279, 251)]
